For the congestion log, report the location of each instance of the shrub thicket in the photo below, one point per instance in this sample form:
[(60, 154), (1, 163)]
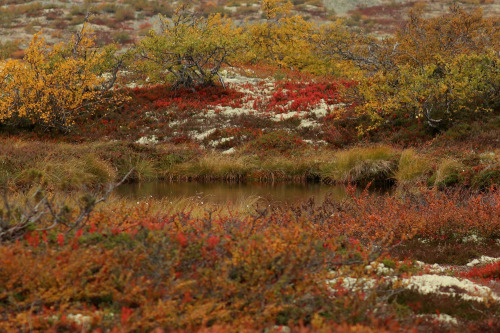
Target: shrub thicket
[(53, 86)]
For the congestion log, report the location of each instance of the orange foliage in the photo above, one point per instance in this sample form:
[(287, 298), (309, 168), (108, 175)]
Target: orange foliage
[(137, 270)]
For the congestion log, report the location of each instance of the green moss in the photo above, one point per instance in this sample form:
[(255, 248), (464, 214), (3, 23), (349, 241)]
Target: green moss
[(404, 268)]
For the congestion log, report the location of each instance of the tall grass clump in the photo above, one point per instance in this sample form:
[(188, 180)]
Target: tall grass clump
[(361, 164), (295, 169), (213, 167), (447, 173), (411, 167), (69, 173), (144, 169)]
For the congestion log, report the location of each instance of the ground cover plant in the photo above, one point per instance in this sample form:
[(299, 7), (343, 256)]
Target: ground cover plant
[(208, 97), (146, 266)]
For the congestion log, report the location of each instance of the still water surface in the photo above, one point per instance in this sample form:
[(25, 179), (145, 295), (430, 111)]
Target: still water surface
[(235, 193)]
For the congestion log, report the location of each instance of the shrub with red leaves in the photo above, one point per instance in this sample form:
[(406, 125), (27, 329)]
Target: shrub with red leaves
[(303, 96), (490, 272), (162, 96)]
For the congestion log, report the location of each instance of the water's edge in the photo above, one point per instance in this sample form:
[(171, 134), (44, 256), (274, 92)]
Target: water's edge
[(237, 192)]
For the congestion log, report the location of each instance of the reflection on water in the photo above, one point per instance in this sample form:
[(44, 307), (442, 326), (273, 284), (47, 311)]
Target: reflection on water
[(223, 192)]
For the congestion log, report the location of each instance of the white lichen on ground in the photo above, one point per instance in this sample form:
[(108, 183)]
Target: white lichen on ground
[(472, 239), (442, 318), (256, 90), (433, 281), (484, 260), (148, 140), (229, 151), (378, 268), (450, 286), (202, 135), (79, 319), (424, 284), (431, 268)]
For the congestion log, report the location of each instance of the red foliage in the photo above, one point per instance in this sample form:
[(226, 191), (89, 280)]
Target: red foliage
[(60, 239), (179, 271), (490, 272), (126, 313), (212, 241), (182, 240), (302, 96), (163, 96)]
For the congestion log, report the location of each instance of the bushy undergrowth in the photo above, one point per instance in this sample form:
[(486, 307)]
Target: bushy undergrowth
[(143, 266)]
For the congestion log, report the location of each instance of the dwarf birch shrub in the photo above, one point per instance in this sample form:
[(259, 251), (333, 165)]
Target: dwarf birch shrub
[(52, 86), (282, 39), (434, 70), (189, 50)]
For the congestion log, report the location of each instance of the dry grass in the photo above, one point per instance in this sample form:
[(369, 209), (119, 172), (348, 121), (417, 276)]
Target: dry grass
[(412, 167), (361, 164), (447, 173)]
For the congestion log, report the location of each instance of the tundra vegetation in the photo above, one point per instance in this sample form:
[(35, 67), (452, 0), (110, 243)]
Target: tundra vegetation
[(204, 98)]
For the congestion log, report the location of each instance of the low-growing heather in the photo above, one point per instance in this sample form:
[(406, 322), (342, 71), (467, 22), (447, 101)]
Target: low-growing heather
[(141, 266), (175, 271), (489, 272)]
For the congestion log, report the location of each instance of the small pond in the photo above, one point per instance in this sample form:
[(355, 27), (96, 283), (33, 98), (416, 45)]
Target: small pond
[(235, 193)]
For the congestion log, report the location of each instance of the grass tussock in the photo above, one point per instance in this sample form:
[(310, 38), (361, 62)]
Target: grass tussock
[(448, 173), (242, 167), (213, 167), (69, 173), (412, 167), (75, 166), (362, 165)]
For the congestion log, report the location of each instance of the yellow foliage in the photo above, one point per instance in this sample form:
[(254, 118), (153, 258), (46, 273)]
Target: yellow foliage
[(433, 70), (273, 9), (52, 86), (190, 50), (283, 40)]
